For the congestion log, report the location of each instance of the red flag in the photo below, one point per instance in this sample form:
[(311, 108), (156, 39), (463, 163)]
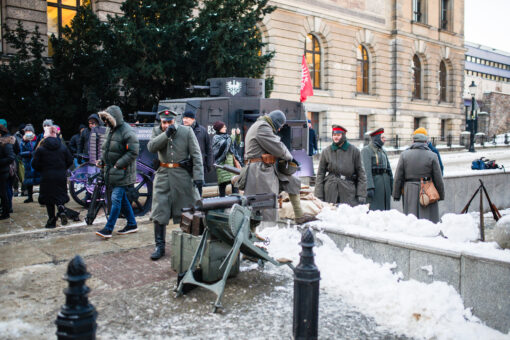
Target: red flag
[(306, 81)]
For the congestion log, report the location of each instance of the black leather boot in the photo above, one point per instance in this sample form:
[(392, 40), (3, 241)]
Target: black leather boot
[(159, 237)]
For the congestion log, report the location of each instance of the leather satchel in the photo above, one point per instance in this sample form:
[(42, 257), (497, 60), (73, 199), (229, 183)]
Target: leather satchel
[(428, 193)]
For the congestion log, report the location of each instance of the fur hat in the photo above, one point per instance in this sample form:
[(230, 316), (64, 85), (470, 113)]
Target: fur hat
[(217, 126)]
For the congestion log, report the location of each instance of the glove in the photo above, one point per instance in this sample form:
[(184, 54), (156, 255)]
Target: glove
[(170, 130), (362, 200), (295, 161), (396, 199), (370, 193)]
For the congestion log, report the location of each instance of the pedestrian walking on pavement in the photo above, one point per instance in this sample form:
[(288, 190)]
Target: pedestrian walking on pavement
[(417, 163), (118, 160), (225, 153), (52, 159), (204, 141), (341, 177), (312, 140), (27, 150), (7, 158), (378, 170), (175, 186), (263, 150)]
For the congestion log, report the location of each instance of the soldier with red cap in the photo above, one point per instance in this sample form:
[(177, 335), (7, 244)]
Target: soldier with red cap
[(341, 177), (378, 171)]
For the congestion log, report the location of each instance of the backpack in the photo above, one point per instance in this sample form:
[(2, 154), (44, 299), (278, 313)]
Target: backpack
[(484, 163)]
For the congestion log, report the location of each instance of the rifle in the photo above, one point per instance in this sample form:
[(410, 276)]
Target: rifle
[(494, 210), (228, 168)]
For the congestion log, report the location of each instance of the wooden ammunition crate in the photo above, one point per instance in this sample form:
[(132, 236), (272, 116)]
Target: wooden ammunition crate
[(183, 247)]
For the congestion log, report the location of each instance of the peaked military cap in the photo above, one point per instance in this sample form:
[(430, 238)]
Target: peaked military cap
[(379, 131), (338, 129), (167, 114)]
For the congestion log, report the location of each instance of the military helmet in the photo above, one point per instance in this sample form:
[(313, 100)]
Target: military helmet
[(287, 167), (278, 118)]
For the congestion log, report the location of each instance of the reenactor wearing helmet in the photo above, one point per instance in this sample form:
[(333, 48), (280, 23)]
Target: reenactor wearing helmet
[(263, 150), (341, 177), (378, 171), (174, 186)]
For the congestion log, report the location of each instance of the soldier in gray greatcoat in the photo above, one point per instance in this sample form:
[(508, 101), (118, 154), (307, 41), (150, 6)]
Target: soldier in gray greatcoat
[(174, 187), (378, 170), (341, 177), (263, 148), (416, 163)]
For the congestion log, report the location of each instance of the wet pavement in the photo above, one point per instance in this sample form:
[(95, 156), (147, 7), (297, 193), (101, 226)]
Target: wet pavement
[(134, 295)]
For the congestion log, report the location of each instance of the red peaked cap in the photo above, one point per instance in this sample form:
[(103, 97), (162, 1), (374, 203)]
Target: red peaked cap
[(379, 131), (338, 129)]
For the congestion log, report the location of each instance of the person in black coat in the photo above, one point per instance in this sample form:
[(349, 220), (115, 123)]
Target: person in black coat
[(52, 159), (75, 140), (7, 157), (312, 140), (204, 141)]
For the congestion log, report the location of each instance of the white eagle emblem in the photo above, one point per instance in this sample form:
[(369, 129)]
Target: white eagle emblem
[(233, 87)]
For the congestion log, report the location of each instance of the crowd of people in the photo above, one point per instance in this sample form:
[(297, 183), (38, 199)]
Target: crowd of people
[(186, 153)]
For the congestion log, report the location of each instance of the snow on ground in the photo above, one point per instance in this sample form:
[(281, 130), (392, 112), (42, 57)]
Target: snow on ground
[(409, 308)]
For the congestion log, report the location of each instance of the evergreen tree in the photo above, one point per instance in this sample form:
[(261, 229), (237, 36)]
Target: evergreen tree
[(151, 45), (227, 41), (83, 76), (24, 79)]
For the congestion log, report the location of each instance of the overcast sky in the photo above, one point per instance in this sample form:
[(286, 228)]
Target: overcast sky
[(487, 22)]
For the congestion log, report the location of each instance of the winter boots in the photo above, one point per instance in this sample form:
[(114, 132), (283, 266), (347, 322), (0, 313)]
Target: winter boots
[(159, 237)]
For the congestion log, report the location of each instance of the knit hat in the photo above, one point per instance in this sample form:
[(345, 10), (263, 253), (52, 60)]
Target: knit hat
[(217, 126), (47, 122), (81, 127), (3, 122), (29, 127), (189, 114), (420, 135)]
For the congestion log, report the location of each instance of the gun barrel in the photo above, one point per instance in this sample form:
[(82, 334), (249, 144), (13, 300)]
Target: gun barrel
[(228, 168), (258, 201)]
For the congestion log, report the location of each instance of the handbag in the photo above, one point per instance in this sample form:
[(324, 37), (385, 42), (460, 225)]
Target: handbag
[(428, 193)]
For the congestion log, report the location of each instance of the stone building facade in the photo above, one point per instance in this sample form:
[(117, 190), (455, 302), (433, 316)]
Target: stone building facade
[(397, 64)]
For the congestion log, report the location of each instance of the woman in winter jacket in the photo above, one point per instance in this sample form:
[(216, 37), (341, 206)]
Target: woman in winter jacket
[(7, 157), (52, 159), (27, 149), (225, 153)]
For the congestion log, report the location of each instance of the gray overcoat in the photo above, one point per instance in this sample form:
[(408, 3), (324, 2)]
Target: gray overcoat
[(336, 162), (414, 163), (379, 176), (173, 187), (262, 178)]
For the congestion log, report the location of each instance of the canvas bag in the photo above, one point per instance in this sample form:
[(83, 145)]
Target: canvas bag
[(428, 193)]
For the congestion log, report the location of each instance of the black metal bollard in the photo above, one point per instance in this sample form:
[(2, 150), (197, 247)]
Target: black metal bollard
[(396, 141), (506, 138), (306, 292), (77, 318), (449, 141)]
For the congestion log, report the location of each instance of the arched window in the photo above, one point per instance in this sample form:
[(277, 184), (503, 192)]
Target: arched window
[(362, 70), (416, 77), (443, 76), (313, 59)]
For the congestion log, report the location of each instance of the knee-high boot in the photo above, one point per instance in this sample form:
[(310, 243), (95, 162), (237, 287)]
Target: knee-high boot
[(299, 217), (159, 237)]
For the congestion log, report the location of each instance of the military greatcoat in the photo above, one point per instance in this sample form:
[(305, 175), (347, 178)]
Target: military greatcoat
[(335, 182), (379, 176), (173, 187), (262, 178), (415, 163)]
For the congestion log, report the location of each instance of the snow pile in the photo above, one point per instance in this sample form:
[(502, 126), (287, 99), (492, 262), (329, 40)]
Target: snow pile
[(460, 228), (502, 232), (410, 308)]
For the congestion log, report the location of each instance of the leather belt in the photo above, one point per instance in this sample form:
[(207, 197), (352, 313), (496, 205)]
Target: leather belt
[(254, 160), (418, 179), (346, 178), (270, 160), (169, 165)]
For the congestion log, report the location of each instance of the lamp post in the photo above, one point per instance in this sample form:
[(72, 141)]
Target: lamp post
[(473, 118)]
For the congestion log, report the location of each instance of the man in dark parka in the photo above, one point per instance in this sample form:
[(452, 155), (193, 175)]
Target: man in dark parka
[(118, 159), (378, 170), (204, 141), (174, 187), (264, 177), (415, 163), (340, 176)]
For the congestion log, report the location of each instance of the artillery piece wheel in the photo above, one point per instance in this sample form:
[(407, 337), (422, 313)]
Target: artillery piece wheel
[(78, 186), (143, 186)]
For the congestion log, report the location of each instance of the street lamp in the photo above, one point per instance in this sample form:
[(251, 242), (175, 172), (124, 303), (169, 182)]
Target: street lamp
[(473, 120)]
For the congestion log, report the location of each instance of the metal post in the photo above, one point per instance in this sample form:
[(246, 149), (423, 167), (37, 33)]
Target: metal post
[(482, 226), (506, 138), (396, 141), (306, 292), (449, 141), (77, 318), (472, 127)]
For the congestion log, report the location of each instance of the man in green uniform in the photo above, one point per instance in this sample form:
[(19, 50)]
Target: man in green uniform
[(378, 171), (341, 177), (174, 186), (263, 148)]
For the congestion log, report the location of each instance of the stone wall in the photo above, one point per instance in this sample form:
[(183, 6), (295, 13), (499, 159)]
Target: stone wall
[(498, 107)]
